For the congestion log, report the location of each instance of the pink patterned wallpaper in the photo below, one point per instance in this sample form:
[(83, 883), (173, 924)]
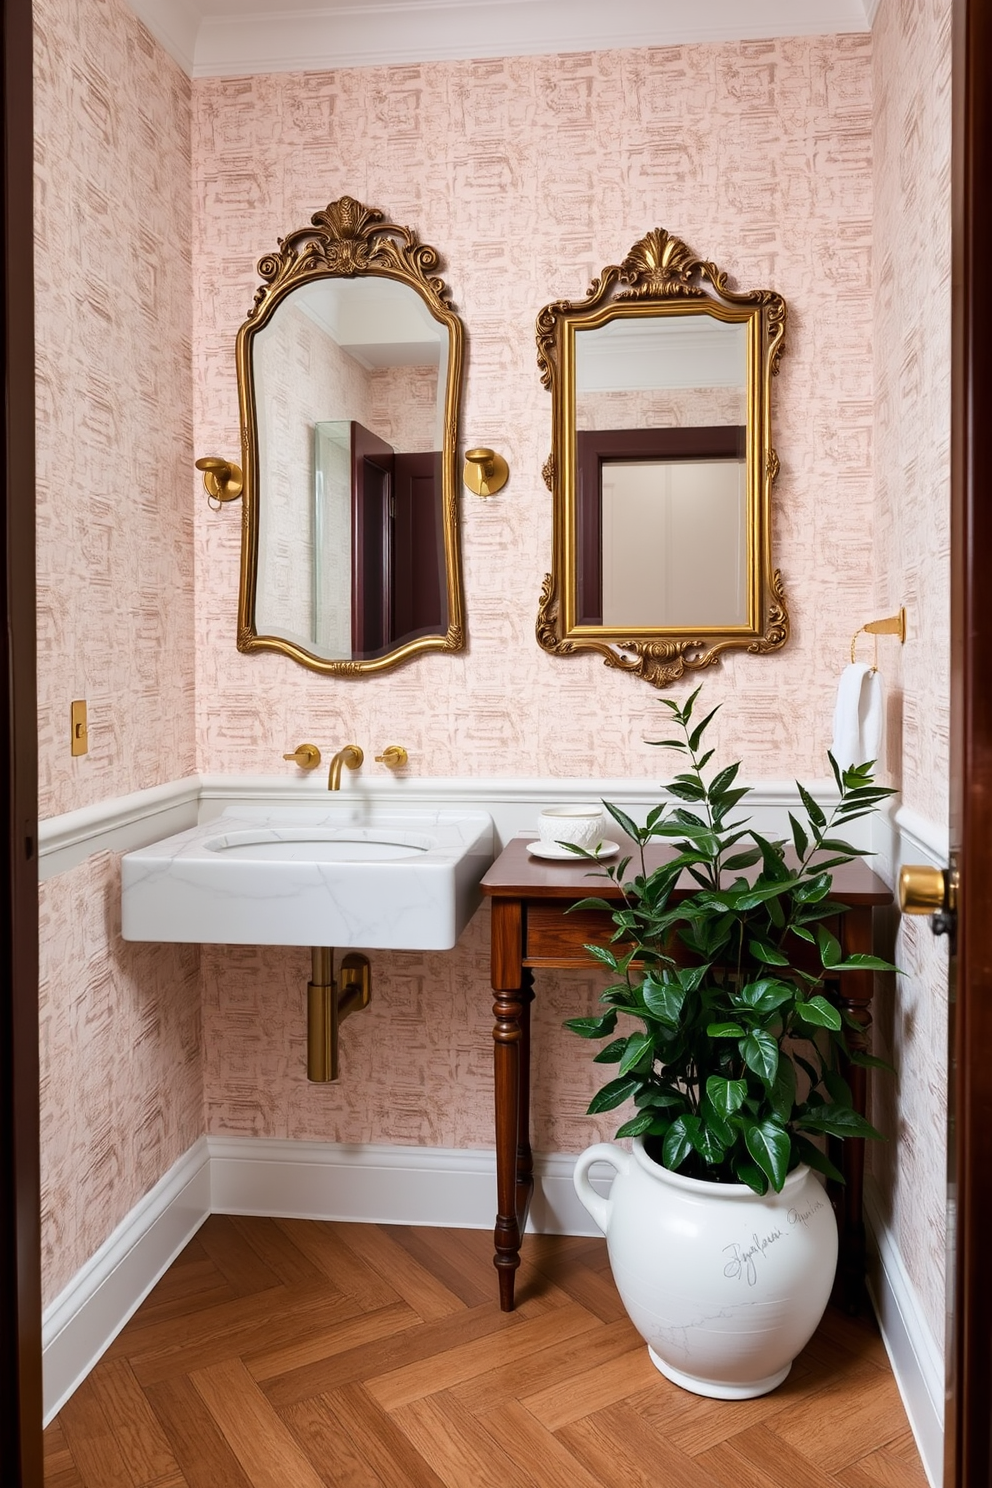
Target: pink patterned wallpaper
[(912, 253), (113, 288), (121, 1082), (528, 175), (121, 1079)]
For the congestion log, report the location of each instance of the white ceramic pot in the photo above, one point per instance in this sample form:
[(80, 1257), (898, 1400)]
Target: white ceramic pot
[(724, 1286)]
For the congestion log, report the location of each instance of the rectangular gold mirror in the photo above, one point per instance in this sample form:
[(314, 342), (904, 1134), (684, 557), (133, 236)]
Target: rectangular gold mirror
[(662, 466)]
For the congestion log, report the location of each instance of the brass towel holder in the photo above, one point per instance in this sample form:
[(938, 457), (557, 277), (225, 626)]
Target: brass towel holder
[(891, 625)]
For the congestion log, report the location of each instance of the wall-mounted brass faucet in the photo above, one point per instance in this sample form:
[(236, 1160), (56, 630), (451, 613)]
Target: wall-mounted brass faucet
[(351, 756)]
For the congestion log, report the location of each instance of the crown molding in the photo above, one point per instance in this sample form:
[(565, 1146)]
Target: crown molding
[(234, 38)]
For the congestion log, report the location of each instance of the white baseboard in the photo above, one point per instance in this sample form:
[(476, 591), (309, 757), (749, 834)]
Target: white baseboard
[(299, 1180), (917, 1361), (87, 1316), (384, 1185)]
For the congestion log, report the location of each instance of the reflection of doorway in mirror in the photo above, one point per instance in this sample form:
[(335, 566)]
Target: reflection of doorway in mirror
[(674, 549)]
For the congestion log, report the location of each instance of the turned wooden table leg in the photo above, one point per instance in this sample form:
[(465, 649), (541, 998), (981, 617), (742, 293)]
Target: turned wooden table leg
[(524, 1156), (511, 1071), (856, 989)]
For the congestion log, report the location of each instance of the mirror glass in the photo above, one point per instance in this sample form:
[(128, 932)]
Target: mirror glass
[(660, 430), (661, 465), (350, 427), (349, 371)]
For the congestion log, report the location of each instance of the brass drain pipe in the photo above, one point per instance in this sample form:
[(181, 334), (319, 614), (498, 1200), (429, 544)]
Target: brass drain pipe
[(328, 1003)]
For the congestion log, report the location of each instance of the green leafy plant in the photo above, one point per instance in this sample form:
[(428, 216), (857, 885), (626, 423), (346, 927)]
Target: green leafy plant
[(738, 1062)]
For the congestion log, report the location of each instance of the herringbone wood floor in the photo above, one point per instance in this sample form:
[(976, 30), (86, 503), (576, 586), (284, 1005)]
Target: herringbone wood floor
[(294, 1354)]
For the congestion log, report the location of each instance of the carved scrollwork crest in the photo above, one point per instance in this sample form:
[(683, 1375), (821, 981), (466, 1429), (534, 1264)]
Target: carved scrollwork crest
[(345, 239)]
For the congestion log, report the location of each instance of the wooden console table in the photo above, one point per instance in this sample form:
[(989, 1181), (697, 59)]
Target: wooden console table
[(531, 929)]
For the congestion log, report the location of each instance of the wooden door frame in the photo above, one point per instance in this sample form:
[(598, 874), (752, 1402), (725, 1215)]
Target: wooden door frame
[(20, 1238), (968, 1428)]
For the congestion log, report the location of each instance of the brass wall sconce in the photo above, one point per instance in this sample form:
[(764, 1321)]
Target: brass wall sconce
[(485, 472), (891, 625), (222, 480)]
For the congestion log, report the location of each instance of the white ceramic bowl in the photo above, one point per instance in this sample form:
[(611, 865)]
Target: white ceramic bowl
[(583, 826)]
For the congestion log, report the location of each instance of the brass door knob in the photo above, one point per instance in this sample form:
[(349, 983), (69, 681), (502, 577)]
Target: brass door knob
[(394, 756), (307, 756), (924, 890)]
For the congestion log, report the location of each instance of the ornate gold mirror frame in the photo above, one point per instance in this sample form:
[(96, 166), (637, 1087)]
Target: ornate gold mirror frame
[(661, 277), (351, 241)]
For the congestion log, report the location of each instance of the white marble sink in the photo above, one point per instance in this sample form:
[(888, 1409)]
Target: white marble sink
[(346, 874)]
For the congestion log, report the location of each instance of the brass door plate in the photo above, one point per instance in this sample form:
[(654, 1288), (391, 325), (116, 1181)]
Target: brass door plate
[(79, 738)]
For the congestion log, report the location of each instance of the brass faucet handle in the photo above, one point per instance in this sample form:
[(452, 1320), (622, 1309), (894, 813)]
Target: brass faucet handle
[(394, 756), (307, 756)]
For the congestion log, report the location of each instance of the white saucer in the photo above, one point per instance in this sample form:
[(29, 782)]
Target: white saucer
[(540, 849)]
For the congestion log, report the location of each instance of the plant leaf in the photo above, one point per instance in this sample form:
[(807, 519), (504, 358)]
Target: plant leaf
[(783, 1093), (836, 770), (811, 808), (760, 1053), (819, 1013), (839, 1121), (636, 1125), (663, 999), (626, 823), (859, 961), (727, 1096), (679, 1141), (870, 1061), (771, 1148), (724, 1030), (763, 950), (650, 1095), (725, 779), (749, 1173), (591, 1028), (604, 954), (814, 1158), (830, 951), (638, 1044), (701, 728), (811, 890), (613, 1094), (765, 995), (799, 837), (612, 1054)]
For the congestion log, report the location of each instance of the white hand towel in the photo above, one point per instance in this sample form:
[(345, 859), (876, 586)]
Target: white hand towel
[(858, 716)]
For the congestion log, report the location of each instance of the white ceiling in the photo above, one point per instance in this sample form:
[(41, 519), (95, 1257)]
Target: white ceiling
[(229, 38)]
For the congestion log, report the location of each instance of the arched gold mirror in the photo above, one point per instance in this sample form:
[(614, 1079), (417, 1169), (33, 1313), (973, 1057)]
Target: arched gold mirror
[(349, 378), (661, 466)]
